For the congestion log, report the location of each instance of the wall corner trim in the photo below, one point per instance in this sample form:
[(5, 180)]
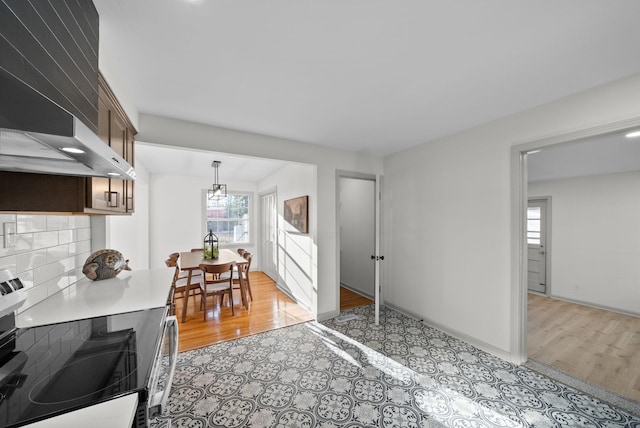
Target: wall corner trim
[(483, 346), (327, 315)]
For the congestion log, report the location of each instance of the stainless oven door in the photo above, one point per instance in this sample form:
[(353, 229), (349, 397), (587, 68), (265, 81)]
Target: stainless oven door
[(158, 395)]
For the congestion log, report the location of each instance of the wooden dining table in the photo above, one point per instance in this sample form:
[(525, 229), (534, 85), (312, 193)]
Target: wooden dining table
[(191, 260)]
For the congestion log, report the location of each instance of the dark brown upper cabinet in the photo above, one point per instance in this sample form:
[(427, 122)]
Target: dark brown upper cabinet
[(52, 46), (116, 130), (22, 192)]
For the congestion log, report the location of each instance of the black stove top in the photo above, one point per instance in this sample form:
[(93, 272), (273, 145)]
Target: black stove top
[(52, 369)]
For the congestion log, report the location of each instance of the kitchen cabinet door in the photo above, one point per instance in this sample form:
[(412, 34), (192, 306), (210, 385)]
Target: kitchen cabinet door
[(117, 143), (129, 157), (115, 129), (98, 189)]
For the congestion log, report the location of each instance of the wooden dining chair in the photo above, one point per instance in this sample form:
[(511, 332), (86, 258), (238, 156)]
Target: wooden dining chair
[(179, 285), (216, 285), (183, 273), (244, 271), (248, 257)]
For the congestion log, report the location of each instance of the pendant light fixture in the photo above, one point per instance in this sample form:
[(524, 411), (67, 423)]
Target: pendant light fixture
[(217, 190)]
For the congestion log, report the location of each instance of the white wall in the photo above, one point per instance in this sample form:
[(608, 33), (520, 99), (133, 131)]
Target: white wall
[(176, 205), (447, 208), (357, 234), (111, 71), (297, 269), (595, 241), (173, 132), (129, 234)]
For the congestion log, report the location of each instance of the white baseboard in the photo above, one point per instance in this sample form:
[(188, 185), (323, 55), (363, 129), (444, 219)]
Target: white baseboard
[(462, 336), (327, 315), (355, 290), (595, 306), (292, 297)]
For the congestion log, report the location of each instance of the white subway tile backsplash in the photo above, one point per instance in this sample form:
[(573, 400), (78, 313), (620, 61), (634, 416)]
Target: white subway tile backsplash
[(65, 236), (46, 273), (57, 222), (31, 223), (7, 218), (68, 264), (75, 275), (55, 285), (27, 278), (45, 239), (35, 295), (84, 234), (31, 260), (79, 222), (9, 262), (81, 259), (24, 242), (76, 248), (49, 253), (55, 254)]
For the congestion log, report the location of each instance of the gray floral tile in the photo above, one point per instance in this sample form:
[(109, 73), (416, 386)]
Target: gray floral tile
[(402, 373)]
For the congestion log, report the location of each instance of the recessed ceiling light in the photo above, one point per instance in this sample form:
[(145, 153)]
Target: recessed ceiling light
[(633, 134), (71, 150), (115, 174)]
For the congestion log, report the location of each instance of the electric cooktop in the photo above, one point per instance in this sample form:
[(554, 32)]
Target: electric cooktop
[(57, 368)]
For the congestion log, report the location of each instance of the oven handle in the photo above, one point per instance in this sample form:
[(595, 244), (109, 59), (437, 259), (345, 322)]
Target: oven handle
[(159, 400)]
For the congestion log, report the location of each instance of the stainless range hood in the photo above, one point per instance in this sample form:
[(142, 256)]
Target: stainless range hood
[(38, 136)]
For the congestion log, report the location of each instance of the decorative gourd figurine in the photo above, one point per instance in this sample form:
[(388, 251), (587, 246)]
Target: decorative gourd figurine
[(104, 264)]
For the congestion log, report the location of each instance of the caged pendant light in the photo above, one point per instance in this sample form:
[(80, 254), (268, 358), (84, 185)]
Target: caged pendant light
[(217, 190)]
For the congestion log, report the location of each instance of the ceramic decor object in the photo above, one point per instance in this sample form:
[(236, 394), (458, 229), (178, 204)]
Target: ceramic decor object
[(104, 264)]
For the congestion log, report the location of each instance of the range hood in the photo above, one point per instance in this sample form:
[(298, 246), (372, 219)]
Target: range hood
[(38, 136)]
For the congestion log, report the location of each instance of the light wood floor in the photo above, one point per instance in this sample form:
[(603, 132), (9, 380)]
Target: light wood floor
[(350, 299), (598, 346), (269, 309)]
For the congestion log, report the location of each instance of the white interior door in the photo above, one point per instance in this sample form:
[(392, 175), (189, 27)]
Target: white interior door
[(379, 258), (357, 234), (537, 245), (269, 235)]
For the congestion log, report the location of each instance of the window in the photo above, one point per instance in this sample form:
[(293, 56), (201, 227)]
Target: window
[(533, 225), (230, 218)]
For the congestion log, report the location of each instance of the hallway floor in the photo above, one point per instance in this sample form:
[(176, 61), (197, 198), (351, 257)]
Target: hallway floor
[(601, 347)]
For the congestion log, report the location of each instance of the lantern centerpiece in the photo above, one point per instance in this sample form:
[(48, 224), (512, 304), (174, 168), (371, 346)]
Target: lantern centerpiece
[(210, 246)]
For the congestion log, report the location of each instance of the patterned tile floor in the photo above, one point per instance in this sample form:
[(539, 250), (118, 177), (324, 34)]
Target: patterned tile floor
[(402, 373)]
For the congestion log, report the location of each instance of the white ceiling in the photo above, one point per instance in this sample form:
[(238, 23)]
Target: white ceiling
[(605, 154), (197, 163), (371, 76)]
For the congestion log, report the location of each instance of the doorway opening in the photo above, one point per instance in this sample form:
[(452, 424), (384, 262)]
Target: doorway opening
[(538, 227), (357, 239), (269, 234), (564, 320)]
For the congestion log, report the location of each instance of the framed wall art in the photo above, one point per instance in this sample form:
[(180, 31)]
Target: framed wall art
[(296, 213)]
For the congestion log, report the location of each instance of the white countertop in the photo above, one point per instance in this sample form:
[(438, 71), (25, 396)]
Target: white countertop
[(118, 412), (129, 291)]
